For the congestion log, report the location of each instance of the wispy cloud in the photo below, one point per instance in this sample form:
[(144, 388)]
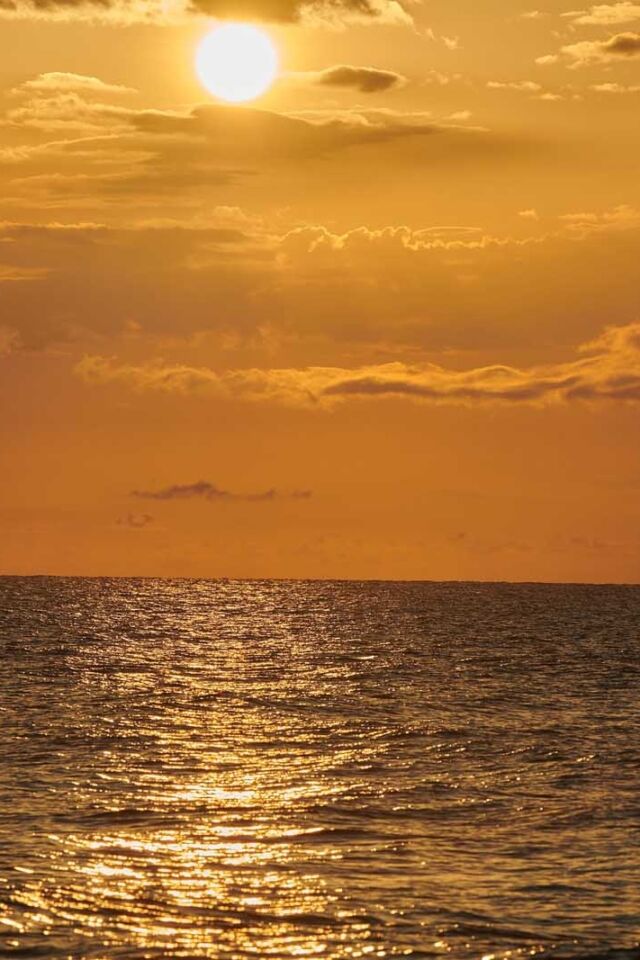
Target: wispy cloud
[(615, 88), (523, 86), (56, 82), (622, 46), (607, 370), (606, 14)]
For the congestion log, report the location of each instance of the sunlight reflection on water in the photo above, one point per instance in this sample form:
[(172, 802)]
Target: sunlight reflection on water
[(202, 769)]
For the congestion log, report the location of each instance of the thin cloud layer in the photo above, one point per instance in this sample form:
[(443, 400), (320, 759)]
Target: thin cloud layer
[(212, 133), (56, 82), (81, 147), (606, 14), (609, 370), (229, 276), (259, 134)]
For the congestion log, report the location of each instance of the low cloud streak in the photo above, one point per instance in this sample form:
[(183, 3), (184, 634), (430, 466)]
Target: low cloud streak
[(607, 370), (204, 490)]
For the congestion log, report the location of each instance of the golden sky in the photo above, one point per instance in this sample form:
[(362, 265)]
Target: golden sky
[(381, 322)]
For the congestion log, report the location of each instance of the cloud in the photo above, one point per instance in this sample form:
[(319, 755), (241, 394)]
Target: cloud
[(451, 43), (607, 370), (587, 222), (214, 133), (622, 46), (524, 86), (67, 110), (287, 11), (249, 284), (164, 12), (606, 14), (135, 521), (77, 82), (261, 134), (95, 280), (101, 151), (204, 490), (363, 79), (615, 88), (109, 11), (535, 90), (11, 274)]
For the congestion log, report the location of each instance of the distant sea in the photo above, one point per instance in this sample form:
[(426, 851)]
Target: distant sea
[(267, 769)]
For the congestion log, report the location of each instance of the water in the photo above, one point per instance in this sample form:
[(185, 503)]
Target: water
[(261, 769)]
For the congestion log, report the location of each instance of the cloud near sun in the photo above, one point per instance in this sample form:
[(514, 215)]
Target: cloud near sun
[(158, 11)]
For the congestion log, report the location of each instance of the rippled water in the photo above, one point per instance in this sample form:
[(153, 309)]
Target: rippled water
[(262, 769)]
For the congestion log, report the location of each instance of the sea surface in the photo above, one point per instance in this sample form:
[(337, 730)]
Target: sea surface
[(195, 768)]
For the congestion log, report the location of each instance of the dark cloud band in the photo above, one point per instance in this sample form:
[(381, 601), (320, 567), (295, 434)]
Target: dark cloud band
[(154, 11), (204, 490)]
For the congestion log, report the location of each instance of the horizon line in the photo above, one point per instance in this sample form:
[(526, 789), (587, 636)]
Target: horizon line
[(249, 579)]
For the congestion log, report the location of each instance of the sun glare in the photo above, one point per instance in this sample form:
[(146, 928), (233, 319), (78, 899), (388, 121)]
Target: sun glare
[(236, 62)]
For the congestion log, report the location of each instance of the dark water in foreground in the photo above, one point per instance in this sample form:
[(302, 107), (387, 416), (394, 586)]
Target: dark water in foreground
[(261, 769)]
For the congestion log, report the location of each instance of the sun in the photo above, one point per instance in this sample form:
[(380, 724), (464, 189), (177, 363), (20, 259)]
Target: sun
[(236, 62)]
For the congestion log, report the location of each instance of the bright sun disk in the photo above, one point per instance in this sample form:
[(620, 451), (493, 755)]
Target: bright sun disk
[(236, 62)]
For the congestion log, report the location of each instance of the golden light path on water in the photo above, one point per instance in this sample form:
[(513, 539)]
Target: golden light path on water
[(296, 770)]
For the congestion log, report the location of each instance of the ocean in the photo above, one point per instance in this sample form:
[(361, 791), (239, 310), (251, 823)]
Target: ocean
[(234, 769)]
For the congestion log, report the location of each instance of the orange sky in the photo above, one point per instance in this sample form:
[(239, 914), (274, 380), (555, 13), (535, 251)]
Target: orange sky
[(382, 322)]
